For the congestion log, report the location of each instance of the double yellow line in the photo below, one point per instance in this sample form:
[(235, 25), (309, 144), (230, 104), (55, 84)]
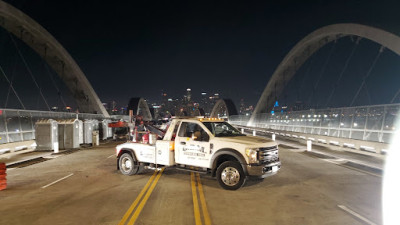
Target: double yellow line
[(146, 190), (206, 216)]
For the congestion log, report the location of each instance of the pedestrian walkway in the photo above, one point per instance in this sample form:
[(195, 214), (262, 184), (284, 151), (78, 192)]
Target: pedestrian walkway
[(336, 152)]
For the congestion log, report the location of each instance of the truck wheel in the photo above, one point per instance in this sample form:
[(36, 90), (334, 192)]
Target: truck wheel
[(230, 175), (127, 165)]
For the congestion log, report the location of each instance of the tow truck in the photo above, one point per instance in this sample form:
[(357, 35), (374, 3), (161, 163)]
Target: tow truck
[(203, 145)]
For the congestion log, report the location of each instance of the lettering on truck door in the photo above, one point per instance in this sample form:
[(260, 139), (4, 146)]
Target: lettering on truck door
[(192, 143)]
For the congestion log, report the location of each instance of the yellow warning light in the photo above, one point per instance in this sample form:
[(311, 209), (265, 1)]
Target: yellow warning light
[(172, 145)]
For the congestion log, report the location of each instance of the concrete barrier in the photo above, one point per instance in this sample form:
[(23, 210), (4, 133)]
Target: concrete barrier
[(10, 149), (352, 145), (309, 145)]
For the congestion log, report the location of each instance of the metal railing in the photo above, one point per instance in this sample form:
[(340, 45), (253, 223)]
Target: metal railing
[(368, 123), (19, 125)]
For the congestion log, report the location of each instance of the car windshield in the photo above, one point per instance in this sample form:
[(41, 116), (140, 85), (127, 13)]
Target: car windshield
[(222, 129)]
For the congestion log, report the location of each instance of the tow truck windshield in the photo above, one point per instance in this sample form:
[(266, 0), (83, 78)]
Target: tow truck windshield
[(222, 129)]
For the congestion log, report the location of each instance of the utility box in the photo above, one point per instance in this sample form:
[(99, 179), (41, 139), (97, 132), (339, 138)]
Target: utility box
[(46, 135), (95, 124), (103, 129), (110, 133), (87, 131), (68, 134), (80, 123), (96, 138)]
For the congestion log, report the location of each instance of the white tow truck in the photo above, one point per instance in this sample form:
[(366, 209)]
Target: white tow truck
[(205, 145)]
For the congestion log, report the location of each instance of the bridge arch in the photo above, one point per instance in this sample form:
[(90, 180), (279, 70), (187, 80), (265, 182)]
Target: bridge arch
[(199, 112), (41, 41), (223, 107), (140, 107), (310, 44)]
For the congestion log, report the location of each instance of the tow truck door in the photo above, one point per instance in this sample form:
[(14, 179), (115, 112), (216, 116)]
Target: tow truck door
[(192, 146)]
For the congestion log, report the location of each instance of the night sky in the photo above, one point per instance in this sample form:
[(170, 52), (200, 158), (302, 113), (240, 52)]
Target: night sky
[(139, 48)]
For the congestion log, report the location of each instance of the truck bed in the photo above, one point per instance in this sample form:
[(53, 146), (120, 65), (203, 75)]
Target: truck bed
[(147, 153)]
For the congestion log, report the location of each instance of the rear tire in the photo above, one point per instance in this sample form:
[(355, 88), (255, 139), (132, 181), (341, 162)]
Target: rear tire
[(230, 175), (128, 165)]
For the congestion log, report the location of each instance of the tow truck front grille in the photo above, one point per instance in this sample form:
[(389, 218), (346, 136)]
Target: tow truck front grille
[(268, 155)]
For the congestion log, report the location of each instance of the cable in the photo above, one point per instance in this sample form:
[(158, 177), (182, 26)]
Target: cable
[(12, 87), (304, 77), (342, 72), (52, 79), (323, 70), (395, 96), (29, 71), (54, 83), (367, 75), (12, 80)]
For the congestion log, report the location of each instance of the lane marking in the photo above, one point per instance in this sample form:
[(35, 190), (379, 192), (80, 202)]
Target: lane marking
[(346, 166), (133, 206), (206, 215), (359, 170), (51, 156), (356, 214), (338, 161), (195, 202), (296, 149), (146, 197), (110, 156), (57, 180)]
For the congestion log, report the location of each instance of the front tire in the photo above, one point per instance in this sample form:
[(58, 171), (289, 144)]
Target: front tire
[(230, 175), (128, 165)]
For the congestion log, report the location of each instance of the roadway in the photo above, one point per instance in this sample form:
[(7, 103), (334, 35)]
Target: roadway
[(85, 188)]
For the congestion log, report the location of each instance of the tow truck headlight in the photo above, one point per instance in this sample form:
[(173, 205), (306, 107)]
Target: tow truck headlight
[(252, 155)]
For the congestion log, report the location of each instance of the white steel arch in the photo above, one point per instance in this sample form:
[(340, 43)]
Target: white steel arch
[(224, 106), (41, 41), (310, 44), (140, 107)]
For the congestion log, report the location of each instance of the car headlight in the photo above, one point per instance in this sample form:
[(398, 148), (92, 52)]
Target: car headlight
[(252, 155)]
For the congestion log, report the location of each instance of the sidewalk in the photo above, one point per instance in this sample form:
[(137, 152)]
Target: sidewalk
[(16, 151), (14, 158), (26, 156), (334, 154)]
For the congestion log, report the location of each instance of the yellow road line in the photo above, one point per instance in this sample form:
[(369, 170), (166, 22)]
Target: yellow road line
[(195, 202), (206, 216), (133, 206), (146, 197)]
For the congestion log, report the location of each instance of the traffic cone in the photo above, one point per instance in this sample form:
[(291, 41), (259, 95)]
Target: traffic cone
[(3, 175)]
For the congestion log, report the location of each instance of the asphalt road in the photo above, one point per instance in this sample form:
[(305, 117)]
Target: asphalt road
[(85, 188)]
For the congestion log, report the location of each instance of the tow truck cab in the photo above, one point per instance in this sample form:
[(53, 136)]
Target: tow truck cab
[(204, 145)]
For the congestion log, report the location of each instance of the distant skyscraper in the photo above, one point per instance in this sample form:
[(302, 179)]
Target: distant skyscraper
[(215, 99), (188, 94), (204, 102), (242, 108)]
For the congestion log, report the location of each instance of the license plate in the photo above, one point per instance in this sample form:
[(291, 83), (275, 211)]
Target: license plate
[(274, 168)]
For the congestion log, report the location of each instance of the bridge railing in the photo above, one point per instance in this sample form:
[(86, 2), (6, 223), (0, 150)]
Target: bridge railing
[(19, 125), (368, 123)]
